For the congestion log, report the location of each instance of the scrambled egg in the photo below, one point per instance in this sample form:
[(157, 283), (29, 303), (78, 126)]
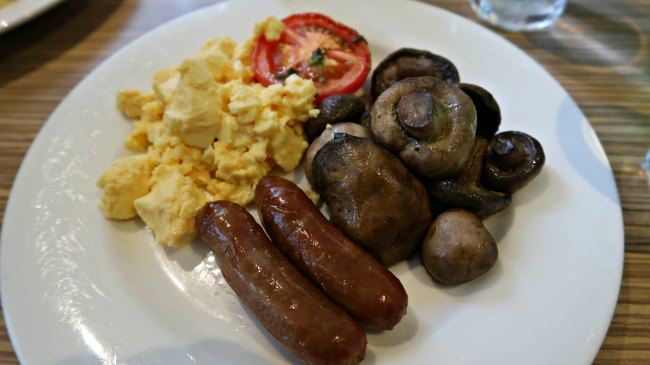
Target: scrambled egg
[(124, 182), (206, 132)]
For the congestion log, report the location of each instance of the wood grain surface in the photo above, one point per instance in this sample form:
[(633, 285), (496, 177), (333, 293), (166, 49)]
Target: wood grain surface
[(598, 51)]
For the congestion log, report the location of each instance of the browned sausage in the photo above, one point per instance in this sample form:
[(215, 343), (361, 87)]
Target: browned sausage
[(347, 273), (291, 308)]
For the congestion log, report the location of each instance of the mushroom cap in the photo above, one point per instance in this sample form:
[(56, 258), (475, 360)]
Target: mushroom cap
[(512, 160), (326, 136), (334, 109), (488, 112), (451, 129), (410, 62), (372, 197), (458, 248)]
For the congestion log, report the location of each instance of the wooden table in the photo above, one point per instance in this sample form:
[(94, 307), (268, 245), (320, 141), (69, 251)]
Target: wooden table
[(599, 51)]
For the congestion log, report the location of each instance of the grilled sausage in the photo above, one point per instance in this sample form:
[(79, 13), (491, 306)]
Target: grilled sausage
[(348, 274), (291, 308)]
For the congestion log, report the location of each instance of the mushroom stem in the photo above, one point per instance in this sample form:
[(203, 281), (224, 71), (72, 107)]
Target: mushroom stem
[(471, 172), (507, 154), (464, 190), (417, 113)]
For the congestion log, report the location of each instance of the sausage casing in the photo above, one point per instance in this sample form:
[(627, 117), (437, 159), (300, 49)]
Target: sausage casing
[(289, 306), (348, 274)]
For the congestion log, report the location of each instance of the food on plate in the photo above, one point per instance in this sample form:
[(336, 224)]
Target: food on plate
[(413, 111), (209, 132), (214, 126), (458, 248), (428, 123), (372, 197), (350, 276), (488, 112), (170, 208), (332, 55), (125, 181), (513, 159), (409, 62), (464, 189), (287, 304), (334, 109), (326, 136)]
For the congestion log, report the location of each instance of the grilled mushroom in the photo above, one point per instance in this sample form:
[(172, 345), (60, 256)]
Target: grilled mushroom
[(458, 248), (409, 62), (335, 109), (326, 136), (464, 189), (513, 159), (372, 197), (488, 112), (428, 123)]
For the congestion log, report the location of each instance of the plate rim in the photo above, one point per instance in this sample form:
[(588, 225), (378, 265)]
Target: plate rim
[(15, 14)]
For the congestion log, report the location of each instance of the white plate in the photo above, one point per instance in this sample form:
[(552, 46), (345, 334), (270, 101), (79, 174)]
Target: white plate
[(77, 288), (20, 11)]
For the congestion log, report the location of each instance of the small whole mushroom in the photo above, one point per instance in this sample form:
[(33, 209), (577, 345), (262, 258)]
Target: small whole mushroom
[(429, 124), (458, 248), (410, 62), (337, 108), (513, 159)]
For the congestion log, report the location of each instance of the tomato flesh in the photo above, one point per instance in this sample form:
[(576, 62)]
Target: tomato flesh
[(335, 57)]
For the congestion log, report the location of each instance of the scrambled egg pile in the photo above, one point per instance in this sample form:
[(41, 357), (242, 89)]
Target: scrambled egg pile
[(207, 132)]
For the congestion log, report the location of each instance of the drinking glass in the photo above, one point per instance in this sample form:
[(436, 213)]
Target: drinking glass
[(519, 15)]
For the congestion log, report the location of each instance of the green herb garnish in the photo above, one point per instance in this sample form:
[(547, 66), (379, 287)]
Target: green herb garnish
[(286, 73), (318, 57)]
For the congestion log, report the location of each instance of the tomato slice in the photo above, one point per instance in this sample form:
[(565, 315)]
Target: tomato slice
[(335, 57)]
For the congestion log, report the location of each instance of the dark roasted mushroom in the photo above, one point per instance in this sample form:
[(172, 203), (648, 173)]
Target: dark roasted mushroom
[(327, 135), (409, 62), (372, 197), (464, 189), (458, 248), (513, 159), (488, 112), (428, 123), (335, 109)]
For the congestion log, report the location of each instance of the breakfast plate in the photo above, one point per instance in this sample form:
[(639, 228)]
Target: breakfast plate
[(19, 11), (78, 288)]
